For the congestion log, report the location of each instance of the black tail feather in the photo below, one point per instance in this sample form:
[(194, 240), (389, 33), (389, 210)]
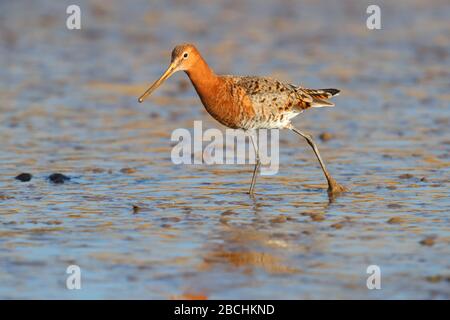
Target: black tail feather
[(333, 92)]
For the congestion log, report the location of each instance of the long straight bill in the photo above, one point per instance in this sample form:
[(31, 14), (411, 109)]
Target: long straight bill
[(158, 82)]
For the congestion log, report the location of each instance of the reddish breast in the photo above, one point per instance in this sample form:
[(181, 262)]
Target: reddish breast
[(223, 99)]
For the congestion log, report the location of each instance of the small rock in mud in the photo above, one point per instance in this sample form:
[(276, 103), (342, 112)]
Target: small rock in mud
[(394, 206), (314, 216), (391, 187), (428, 241), (394, 220), (228, 213), (424, 179), (317, 217), (128, 170), (53, 222), (325, 136), (58, 178), (405, 176), (337, 225), (136, 209), (279, 219), (24, 177)]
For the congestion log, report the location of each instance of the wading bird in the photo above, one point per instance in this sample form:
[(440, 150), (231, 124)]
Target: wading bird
[(249, 103)]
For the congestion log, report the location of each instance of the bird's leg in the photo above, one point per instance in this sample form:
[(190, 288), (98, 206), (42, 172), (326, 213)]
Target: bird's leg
[(257, 164), (333, 186)]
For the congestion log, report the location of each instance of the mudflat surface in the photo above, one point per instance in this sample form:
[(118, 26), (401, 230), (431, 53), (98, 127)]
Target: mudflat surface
[(68, 105)]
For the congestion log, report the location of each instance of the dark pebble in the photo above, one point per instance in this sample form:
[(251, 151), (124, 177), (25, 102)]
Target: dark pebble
[(228, 212), (406, 176), (58, 178), (395, 220), (136, 209), (428, 241), (24, 177), (394, 206), (128, 170), (337, 225), (279, 219)]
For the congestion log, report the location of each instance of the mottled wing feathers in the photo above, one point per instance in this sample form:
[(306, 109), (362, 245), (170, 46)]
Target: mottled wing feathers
[(274, 103), (271, 95)]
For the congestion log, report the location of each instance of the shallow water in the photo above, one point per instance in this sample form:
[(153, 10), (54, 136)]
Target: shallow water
[(68, 104)]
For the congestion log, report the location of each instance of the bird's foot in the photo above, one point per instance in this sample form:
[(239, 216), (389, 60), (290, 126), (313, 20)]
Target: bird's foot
[(335, 188)]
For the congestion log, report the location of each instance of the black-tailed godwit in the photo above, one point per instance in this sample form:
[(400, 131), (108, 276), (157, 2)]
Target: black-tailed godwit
[(249, 102)]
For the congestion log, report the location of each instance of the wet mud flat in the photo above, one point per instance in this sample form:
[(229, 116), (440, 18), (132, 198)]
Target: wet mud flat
[(141, 227)]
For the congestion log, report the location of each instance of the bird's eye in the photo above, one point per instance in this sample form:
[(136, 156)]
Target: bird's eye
[(185, 55)]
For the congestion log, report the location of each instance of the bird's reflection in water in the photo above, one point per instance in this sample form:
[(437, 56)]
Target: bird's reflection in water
[(249, 241), (246, 249)]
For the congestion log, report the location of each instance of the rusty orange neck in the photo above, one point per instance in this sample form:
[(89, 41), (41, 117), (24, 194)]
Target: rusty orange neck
[(205, 81), (216, 94)]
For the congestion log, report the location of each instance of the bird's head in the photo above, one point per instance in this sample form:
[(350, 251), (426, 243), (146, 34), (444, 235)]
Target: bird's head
[(184, 57)]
